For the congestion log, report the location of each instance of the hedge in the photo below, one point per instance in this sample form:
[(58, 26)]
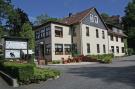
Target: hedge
[(105, 58), (17, 70), (27, 73)]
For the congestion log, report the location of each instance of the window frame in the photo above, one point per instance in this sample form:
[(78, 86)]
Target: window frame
[(47, 31), (47, 49), (60, 32), (103, 34), (123, 49), (88, 48), (97, 33), (104, 48), (67, 50), (57, 49), (112, 49), (87, 31), (117, 49), (98, 48)]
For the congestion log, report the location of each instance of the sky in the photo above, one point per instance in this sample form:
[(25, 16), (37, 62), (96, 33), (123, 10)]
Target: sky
[(61, 8)]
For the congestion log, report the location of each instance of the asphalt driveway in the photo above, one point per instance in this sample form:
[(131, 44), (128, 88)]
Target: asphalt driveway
[(118, 75)]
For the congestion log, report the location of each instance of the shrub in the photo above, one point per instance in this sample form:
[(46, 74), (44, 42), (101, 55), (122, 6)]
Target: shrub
[(22, 72), (27, 73), (105, 58), (56, 62), (43, 74), (130, 51)]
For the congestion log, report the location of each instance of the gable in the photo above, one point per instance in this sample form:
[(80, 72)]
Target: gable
[(93, 19)]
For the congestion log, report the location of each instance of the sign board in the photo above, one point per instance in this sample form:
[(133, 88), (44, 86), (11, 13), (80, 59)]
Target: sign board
[(13, 47), (16, 45), (12, 53)]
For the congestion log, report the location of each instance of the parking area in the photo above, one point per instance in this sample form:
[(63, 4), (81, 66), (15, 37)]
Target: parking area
[(118, 75)]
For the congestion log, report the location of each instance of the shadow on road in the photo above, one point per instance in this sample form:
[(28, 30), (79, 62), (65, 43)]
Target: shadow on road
[(124, 75)]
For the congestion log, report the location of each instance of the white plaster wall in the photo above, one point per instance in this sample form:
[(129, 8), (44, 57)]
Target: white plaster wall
[(66, 39), (93, 40), (115, 43)]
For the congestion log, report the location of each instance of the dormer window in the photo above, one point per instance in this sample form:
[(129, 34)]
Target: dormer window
[(95, 19), (91, 18)]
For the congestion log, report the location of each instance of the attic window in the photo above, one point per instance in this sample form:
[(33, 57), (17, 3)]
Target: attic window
[(91, 18), (95, 19)]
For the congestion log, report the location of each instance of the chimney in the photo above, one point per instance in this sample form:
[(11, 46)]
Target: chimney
[(70, 14)]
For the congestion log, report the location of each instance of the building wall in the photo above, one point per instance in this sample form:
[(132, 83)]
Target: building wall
[(77, 37), (115, 43), (44, 40), (93, 40), (66, 39)]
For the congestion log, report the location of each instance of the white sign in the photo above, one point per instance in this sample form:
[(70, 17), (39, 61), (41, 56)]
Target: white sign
[(16, 45), (12, 53)]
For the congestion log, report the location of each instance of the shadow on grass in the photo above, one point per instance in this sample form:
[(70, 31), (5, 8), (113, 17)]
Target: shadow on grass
[(124, 75)]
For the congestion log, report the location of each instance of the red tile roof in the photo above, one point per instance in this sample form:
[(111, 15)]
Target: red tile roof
[(76, 18)]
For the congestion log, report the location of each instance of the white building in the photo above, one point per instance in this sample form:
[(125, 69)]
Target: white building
[(84, 33)]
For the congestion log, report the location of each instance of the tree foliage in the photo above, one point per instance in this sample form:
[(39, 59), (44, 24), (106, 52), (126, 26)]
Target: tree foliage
[(129, 23), (5, 9), (44, 18), (16, 20), (28, 32)]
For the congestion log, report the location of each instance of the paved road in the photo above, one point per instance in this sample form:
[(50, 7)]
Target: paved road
[(118, 75)]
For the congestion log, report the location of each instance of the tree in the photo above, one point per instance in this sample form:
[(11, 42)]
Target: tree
[(129, 23), (44, 18), (16, 20), (28, 32), (105, 16), (5, 9)]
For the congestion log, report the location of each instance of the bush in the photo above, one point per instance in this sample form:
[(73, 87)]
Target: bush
[(130, 51), (27, 73), (44, 74), (105, 58), (56, 62), (22, 72)]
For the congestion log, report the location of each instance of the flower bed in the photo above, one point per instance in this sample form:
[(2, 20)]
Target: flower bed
[(105, 58)]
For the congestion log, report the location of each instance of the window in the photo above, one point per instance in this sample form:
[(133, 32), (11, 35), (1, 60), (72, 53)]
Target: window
[(95, 19), (117, 38), (97, 35), (87, 31), (74, 31), (103, 34), (123, 49), (74, 47), (47, 31), (37, 35), (58, 49), (88, 48), (122, 39), (47, 49), (58, 31), (112, 49), (67, 49), (117, 48), (42, 33), (98, 48), (104, 49), (91, 18), (111, 37)]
